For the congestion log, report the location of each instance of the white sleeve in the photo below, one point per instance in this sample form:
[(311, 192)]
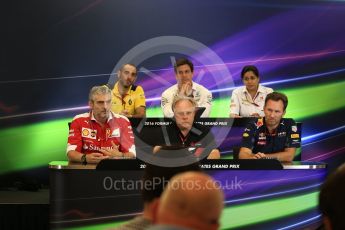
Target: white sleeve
[(207, 103), (166, 104), (235, 103), (205, 100)]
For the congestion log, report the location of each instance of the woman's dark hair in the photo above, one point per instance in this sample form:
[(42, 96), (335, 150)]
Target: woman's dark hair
[(248, 68)]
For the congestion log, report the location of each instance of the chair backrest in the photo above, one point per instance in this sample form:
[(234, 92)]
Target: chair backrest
[(199, 112), (236, 152)]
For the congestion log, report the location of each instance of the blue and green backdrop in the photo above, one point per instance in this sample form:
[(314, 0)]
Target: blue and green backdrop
[(53, 53)]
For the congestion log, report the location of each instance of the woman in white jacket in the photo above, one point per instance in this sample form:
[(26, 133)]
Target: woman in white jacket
[(249, 100)]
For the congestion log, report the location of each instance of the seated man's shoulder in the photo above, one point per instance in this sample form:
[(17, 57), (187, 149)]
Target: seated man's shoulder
[(137, 88), (256, 122), (81, 116), (170, 90), (289, 121), (119, 116), (200, 87), (253, 125)]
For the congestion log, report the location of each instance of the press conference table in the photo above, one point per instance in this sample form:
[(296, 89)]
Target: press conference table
[(81, 195), (58, 165)]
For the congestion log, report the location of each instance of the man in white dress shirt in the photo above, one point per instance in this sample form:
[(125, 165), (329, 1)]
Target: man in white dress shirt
[(184, 70)]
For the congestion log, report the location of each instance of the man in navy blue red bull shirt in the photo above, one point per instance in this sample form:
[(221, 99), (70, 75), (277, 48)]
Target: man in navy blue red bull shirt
[(271, 136), (100, 133)]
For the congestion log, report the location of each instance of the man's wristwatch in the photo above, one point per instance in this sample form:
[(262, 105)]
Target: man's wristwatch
[(83, 159)]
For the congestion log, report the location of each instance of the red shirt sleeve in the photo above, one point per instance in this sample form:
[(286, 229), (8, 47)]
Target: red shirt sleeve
[(127, 137), (74, 138)]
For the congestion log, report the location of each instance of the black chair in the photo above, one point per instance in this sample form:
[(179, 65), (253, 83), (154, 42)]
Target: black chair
[(236, 152)]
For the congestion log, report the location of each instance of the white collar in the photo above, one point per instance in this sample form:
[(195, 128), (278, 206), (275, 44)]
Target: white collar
[(260, 89), (92, 117)]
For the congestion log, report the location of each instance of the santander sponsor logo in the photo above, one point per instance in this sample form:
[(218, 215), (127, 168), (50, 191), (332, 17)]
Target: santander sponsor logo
[(93, 147)]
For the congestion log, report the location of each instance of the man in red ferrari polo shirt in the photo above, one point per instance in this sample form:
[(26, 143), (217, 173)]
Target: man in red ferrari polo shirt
[(100, 133)]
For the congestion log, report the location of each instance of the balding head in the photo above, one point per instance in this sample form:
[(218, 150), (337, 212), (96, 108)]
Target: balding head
[(192, 200), (332, 200)]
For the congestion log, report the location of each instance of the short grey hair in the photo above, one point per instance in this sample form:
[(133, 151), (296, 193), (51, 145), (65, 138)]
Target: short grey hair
[(178, 98), (103, 89)]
